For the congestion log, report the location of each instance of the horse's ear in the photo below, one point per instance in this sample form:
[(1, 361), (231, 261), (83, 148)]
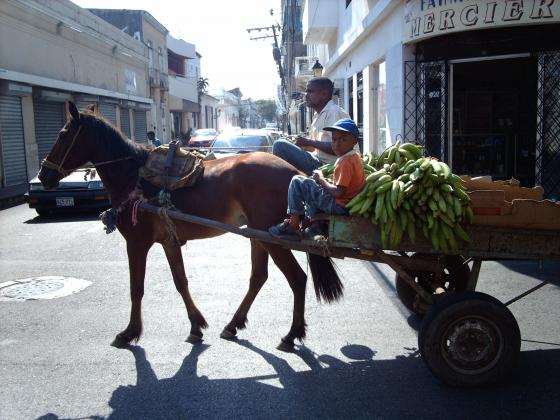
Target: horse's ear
[(73, 112), (92, 108)]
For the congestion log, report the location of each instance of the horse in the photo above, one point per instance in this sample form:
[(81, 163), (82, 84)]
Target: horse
[(245, 189)]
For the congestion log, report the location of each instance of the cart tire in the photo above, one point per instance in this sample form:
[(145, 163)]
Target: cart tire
[(469, 339), (456, 278)]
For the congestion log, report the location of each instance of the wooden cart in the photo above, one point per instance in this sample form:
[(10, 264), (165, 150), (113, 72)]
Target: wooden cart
[(467, 338)]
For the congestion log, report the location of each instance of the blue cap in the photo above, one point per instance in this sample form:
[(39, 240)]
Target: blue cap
[(345, 124)]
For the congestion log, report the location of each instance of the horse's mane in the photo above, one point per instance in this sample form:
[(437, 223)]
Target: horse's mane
[(111, 137)]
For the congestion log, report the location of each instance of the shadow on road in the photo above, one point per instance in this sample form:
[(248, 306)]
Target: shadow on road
[(85, 216), (541, 270), (333, 388)]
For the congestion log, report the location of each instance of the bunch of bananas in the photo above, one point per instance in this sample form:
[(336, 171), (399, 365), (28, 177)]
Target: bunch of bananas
[(406, 192)]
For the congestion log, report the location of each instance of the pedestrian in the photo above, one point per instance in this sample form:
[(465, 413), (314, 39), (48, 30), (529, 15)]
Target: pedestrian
[(309, 153), (310, 196), (153, 139)]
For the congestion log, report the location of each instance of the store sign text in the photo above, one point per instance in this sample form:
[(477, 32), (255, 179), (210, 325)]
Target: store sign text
[(425, 18)]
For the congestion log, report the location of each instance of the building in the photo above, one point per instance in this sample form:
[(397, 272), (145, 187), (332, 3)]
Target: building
[(475, 82), (228, 108), (50, 52), (210, 111), (184, 72), (152, 36)]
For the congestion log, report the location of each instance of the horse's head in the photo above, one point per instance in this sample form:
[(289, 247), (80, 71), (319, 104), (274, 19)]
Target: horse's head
[(69, 152)]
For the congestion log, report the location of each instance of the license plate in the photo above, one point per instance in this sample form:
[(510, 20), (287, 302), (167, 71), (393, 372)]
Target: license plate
[(64, 201)]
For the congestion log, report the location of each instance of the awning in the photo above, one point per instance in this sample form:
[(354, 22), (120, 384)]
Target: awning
[(190, 106)]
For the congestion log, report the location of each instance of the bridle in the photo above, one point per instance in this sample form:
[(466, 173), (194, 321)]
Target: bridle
[(65, 172)]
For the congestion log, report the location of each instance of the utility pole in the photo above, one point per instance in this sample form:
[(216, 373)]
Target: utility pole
[(277, 58)]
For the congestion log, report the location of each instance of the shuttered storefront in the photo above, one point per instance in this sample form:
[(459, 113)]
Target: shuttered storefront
[(140, 126), (49, 119), (109, 112), (125, 122), (12, 141)]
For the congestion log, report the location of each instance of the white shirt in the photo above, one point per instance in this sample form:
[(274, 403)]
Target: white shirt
[(330, 114)]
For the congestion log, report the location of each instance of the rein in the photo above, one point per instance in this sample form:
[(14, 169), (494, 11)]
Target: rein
[(65, 172)]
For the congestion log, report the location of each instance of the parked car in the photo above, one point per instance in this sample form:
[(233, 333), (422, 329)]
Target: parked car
[(202, 137), (242, 141), (81, 190)]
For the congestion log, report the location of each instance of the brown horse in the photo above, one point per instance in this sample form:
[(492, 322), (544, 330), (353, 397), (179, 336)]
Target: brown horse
[(243, 189)]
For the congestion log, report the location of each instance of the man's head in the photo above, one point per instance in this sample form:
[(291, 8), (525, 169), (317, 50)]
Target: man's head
[(345, 134), (319, 91), (151, 135)]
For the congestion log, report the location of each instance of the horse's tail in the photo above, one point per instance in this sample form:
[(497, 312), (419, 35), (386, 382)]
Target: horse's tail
[(326, 281)]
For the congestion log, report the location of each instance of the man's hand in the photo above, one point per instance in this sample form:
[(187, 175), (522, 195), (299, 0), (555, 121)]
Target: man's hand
[(304, 143)]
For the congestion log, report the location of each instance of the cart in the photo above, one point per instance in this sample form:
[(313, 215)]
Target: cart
[(467, 338)]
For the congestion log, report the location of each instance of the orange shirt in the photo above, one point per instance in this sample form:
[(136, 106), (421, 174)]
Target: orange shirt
[(349, 173)]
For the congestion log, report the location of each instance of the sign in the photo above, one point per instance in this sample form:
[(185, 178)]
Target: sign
[(427, 18)]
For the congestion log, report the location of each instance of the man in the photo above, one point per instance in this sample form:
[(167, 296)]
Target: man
[(308, 154), (153, 139)]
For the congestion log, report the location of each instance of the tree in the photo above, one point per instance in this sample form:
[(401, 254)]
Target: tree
[(266, 109), (201, 88)]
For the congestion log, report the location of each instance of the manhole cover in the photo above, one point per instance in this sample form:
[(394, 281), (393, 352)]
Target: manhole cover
[(45, 287)]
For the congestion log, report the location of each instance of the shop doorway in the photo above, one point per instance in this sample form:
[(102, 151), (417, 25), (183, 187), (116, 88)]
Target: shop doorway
[(493, 118)]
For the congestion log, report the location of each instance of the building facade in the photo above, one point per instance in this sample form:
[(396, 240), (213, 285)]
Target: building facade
[(184, 71), (54, 51), (152, 35), (475, 82)]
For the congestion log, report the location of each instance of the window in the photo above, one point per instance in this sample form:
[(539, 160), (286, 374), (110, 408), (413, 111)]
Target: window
[(160, 58), (150, 54)]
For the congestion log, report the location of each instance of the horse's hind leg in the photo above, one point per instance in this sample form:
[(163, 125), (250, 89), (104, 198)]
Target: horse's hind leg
[(259, 274), (137, 252), (287, 263), (175, 259)]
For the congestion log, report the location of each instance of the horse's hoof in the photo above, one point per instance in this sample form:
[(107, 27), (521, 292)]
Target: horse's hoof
[(119, 343), (227, 334), (285, 346), (194, 339)]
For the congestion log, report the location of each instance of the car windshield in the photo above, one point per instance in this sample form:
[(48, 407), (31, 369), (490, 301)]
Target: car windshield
[(206, 132), (241, 141)]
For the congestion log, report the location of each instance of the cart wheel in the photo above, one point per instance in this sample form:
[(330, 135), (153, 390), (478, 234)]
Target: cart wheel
[(469, 339), (455, 278)]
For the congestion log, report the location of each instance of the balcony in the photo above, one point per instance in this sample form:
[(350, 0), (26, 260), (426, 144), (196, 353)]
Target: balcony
[(319, 21)]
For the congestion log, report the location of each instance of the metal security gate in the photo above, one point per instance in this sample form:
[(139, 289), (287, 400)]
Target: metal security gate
[(425, 106), (547, 159), (125, 121), (12, 141), (109, 111), (140, 126), (49, 119)]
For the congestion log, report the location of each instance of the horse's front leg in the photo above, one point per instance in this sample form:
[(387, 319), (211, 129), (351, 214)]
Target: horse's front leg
[(137, 253), (175, 259)]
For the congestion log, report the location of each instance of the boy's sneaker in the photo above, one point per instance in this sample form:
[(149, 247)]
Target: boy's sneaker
[(285, 231)]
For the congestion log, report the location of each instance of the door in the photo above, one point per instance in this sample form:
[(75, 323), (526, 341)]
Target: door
[(12, 142), (49, 119)]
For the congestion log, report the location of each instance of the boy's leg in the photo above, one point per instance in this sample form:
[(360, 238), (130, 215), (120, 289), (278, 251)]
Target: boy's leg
[(295, 155), (305, 195)]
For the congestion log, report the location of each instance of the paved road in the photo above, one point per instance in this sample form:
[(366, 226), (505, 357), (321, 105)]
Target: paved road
[(359, 360)]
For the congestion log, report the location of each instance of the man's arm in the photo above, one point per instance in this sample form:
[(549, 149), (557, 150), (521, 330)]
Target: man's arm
[(325, 146)]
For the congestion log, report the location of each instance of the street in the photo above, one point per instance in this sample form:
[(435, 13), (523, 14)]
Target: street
[(359, 359)]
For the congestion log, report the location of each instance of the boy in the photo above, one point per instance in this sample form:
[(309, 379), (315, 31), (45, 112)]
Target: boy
[(317, 195)]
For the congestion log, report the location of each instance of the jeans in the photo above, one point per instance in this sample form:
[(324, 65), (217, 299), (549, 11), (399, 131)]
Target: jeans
[(307, 197), (302, 160)]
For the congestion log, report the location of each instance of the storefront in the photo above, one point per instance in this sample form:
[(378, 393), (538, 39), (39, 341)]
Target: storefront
[(483, 92)]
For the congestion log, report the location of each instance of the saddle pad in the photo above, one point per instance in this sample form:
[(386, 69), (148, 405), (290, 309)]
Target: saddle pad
[(185, 168)]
